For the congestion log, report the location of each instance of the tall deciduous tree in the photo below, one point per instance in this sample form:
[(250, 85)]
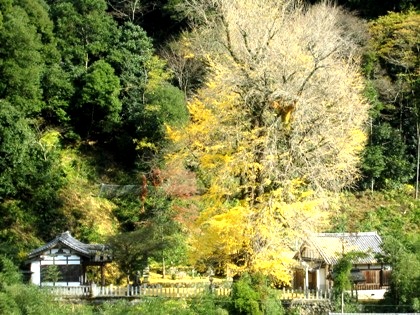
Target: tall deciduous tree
[(279, 123), (188, 70), (127, 9)]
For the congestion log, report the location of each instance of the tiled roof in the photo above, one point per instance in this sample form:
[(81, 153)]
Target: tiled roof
[(331, 246), (68, 241)]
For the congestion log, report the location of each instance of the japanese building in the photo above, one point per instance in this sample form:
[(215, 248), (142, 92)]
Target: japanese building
[(71, 258), (320, 253)]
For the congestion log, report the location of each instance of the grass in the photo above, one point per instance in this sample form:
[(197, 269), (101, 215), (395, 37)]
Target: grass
[(155, 278)]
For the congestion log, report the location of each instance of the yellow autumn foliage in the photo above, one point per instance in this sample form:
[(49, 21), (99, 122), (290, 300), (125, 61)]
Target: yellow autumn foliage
[(276, 130)]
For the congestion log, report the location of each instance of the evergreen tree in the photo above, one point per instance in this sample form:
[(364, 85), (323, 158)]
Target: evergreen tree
[(21, 59), (391, 67), (99, 106), (148, 99), (403, 254)]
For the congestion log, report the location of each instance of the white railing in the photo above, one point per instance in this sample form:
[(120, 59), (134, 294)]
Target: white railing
[(300, 294), (135, 291), (71, 291), (175, 291)]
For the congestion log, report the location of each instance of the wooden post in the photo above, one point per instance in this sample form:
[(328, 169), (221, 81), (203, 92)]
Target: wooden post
[(84, 278), (318, 280), (102, 275)]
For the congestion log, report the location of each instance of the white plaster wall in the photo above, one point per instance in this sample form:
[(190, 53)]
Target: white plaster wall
[(60, 259), (61, 284), (36, 273), (371, 294)]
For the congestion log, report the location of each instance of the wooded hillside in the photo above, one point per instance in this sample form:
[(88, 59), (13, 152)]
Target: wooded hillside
[(216, 132)]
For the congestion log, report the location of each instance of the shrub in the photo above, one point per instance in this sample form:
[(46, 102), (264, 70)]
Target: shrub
[(253, 295), (28, 299), (160, 306), (7, 304), (209, 304), (155, 306), (9, 273)]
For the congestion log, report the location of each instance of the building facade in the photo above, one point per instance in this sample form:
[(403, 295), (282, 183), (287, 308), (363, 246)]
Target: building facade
[(319, 254), (63, 261)]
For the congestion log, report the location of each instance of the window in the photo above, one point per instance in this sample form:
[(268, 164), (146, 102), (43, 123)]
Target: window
[(60, 273)]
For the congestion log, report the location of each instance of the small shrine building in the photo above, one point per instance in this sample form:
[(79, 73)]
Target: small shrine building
[(71, 257)]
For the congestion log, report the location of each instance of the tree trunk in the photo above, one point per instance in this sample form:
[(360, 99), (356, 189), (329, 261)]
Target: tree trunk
[(163, 268)]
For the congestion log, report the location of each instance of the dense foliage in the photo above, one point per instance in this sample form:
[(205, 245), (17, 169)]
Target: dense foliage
[(17, 298), (253, 294), (396, 216), (74, 80), (96, 136), (392, 69)]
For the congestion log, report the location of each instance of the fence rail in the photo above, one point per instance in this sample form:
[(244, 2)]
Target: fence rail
[(92, 291), (299, 294)]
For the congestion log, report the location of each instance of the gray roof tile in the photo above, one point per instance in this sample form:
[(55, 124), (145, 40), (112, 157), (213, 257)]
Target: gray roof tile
[(332, 245), (68, 241)]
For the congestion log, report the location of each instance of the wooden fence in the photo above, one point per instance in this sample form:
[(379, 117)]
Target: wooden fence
[(174, 291), (298, 294)]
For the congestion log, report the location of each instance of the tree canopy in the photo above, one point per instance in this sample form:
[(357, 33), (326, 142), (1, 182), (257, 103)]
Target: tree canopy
[(279, 122), (290, 103), (392, 68)]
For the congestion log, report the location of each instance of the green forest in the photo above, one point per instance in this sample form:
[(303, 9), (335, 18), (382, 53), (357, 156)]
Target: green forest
[(210, 133)]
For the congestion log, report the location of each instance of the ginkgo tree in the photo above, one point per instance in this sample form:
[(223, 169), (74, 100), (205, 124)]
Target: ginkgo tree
[(277, 128)]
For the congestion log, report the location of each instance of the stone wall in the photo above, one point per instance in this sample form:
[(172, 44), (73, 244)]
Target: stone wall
[(309, 307)]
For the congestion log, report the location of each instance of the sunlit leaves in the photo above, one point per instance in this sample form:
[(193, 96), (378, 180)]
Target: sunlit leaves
[(278, 125), (396, 37)]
